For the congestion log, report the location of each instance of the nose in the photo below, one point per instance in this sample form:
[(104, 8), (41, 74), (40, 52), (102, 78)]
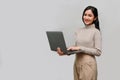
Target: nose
[(86, 17)]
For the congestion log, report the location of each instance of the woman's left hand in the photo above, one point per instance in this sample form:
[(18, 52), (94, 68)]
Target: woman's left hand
[(73, 48)]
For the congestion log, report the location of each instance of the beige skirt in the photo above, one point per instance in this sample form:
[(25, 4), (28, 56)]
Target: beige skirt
[(85, 69)]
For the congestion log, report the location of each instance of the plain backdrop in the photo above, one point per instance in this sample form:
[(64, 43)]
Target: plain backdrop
[(24, 49)]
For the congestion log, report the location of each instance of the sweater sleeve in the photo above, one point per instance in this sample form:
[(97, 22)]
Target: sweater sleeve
[(96, 50)]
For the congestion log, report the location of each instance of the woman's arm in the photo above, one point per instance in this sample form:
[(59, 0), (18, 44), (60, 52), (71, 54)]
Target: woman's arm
[(97, 46), (92, 51)]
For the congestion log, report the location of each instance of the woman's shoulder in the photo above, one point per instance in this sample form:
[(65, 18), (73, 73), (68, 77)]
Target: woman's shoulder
[(96, 31), (77, 30)]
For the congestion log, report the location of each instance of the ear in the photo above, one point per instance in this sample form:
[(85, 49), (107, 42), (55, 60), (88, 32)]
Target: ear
[(95, 18)]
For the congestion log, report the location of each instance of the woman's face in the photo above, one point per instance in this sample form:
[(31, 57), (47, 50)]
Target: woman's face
[(88, 17)]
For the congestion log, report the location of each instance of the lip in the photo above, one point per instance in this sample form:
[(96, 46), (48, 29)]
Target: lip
[(86, 21)]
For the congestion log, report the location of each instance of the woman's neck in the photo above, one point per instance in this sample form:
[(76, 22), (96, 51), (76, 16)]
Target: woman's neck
[(90, 26)]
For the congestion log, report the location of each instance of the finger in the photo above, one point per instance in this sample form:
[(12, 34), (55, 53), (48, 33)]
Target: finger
[(58, 48), (59, 51), (69, 48)]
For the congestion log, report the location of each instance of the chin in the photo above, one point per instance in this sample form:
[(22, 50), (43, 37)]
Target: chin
[(87, 24)]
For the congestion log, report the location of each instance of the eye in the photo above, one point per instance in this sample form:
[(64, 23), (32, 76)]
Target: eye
[(85, 14), (90, 15)]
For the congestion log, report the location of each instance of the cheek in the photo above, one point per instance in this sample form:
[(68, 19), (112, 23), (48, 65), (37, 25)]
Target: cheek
[(91, 19)]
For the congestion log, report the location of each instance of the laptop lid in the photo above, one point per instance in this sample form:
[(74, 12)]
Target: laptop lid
[(56, 39)]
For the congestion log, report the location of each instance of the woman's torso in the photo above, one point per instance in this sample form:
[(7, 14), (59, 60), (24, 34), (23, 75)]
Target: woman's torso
[(85, 37)]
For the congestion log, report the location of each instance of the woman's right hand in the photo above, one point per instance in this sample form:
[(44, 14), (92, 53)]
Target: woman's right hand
[(60, 52)]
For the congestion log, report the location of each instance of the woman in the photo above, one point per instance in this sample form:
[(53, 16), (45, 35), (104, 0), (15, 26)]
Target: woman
[(88, 43)]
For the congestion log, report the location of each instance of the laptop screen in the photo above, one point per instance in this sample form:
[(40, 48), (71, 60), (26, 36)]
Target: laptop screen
[(56, 39)]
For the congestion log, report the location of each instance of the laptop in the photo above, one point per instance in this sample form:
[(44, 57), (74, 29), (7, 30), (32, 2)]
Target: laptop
[(56, 39)]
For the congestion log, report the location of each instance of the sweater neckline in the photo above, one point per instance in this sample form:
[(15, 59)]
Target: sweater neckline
[(90, 26)]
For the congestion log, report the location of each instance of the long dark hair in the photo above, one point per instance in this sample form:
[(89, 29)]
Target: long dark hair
[(95, 12)]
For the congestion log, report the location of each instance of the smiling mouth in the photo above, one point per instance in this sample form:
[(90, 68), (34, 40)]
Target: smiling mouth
[(86, 21)]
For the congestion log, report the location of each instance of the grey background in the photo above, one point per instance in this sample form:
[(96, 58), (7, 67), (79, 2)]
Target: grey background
[(24, 48)]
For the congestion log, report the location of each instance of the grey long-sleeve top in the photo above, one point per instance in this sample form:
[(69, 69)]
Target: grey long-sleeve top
[(89, 40)]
